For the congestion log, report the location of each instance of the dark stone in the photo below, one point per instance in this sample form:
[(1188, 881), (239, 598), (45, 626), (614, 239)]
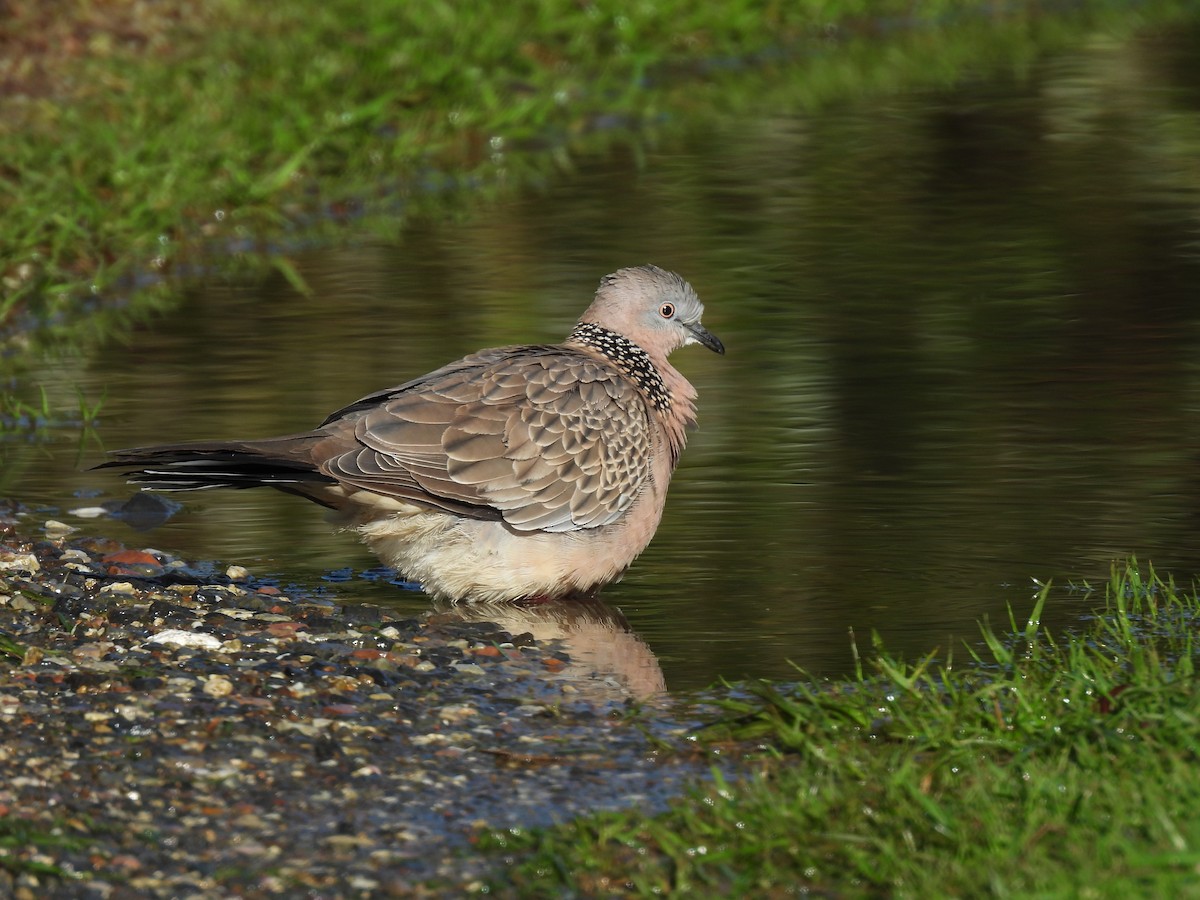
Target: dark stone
[(77, 679), (144, 511), (125, 615), (46, 550), (76, 606), (326, 748), (362, 615), (255, 602), (208, 596), (162, 609)]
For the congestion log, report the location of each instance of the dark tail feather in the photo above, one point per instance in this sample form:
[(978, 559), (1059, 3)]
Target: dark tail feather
[(196, 466)]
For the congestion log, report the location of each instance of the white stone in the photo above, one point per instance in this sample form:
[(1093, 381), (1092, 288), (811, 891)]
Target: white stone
[(196, 639)]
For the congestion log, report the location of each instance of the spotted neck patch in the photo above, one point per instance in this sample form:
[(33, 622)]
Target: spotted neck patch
[(627, 356)]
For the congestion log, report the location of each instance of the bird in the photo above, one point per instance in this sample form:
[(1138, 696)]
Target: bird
[(520, 473)]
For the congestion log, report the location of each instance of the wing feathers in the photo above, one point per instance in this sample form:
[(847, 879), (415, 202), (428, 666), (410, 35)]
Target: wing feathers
[(546, 437)]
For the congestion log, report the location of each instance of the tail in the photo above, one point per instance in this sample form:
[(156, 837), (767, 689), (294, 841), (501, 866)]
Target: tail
[(281, 463)]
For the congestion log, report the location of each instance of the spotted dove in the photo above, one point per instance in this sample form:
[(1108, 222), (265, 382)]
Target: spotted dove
[(534, 471)]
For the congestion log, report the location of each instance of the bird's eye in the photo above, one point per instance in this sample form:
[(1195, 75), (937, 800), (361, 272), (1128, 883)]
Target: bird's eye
[(667, 310)]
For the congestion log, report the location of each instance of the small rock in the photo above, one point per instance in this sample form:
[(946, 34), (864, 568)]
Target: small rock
[(131, 558), (456, 713), (144, 511), (237, 573), (348, 841), (218, 686), (178, 638), (19, 562), (124, 588), (56, 529), (284, 629), (235, 613)]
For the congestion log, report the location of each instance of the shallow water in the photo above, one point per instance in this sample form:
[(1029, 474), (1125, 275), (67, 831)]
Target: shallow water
[(964, 352)]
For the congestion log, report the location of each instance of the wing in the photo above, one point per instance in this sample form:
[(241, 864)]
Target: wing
[(544, 438)]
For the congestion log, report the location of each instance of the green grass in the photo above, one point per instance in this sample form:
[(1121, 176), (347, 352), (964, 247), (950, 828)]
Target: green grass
[(143, 141), (22, 842), (1044, 766), (10, 649), (37, 419), (224, 122)]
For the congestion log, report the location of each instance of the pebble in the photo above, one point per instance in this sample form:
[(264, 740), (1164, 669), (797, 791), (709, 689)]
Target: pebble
[(218, 686), (119, 587), (19, 562), (454, 714), (55, 529), (186, 639), (89, 512)]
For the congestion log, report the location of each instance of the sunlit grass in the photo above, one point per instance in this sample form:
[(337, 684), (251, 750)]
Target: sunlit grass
[(1045, 765), (223, 125)]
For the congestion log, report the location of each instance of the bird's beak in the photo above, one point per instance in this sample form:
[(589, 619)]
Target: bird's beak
[(707, 338)]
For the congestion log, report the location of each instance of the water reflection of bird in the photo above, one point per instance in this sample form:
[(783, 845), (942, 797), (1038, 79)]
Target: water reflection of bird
[(598, 638), (519, 472)]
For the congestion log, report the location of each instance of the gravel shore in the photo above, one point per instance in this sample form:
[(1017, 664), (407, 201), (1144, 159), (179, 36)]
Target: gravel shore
[(168, 730)]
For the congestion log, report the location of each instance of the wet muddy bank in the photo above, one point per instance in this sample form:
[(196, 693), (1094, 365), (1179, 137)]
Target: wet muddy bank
[(171, 731)]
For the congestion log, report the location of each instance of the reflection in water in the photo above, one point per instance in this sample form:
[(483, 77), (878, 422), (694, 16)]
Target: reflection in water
[(597, 637), (964, 351)]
